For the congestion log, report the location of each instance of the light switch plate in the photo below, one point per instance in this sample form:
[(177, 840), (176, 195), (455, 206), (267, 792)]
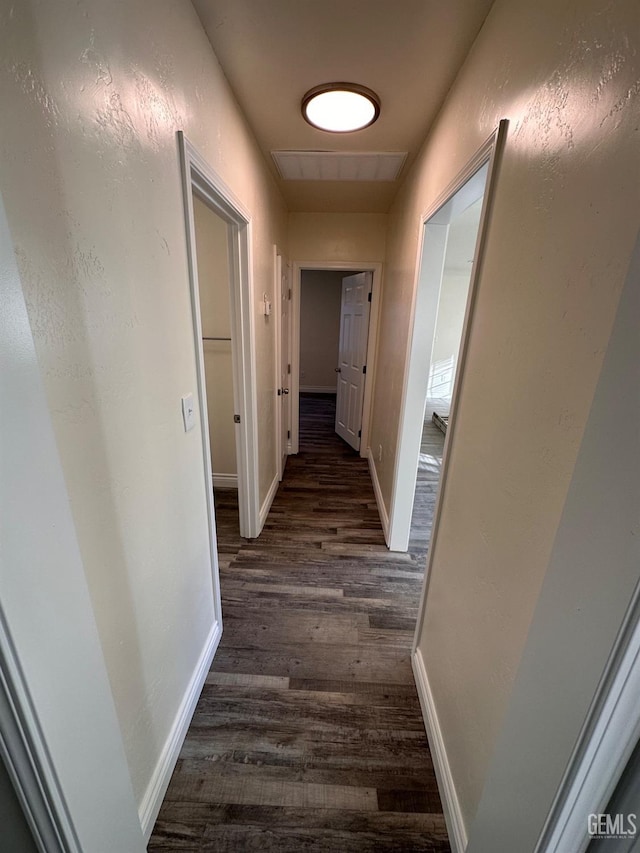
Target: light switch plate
[(188, 412)]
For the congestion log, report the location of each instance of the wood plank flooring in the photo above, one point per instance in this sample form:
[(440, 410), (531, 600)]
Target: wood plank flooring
[(428, 480), (308, 735)]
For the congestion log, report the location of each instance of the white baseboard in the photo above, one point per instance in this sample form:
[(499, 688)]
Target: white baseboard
[(382, 510), (157, 788), (446, 786), (319, 389), (225, 481), (266, 504)]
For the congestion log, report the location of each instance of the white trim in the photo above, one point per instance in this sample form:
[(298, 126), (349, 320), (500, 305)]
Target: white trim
[(605, 744), (374, 319), (198, 176), (266, 504), (225, 481), (382, 510), (159, 782), (318, 389), (444, 776)]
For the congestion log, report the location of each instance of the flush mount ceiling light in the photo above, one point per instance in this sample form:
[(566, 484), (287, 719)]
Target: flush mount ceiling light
[(340, 107)]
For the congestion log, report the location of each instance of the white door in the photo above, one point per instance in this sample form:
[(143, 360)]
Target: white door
[(352, 354), (284, 367)]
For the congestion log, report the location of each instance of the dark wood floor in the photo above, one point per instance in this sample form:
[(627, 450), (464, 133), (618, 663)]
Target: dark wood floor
[(308, 735), (428, 480)]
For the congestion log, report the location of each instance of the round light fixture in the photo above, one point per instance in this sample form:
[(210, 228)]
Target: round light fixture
[(340, 107)]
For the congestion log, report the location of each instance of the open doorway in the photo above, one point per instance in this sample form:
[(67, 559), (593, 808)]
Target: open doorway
[(450, 251), (212, 238), (441, 369), (320, 296), (334, 332), (335, 317), (223, 338)]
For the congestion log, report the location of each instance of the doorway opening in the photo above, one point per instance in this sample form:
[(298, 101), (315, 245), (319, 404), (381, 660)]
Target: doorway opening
[(217, 228), (335, 319), (453, 235), (282, 305), (214, 292), (449, 309)]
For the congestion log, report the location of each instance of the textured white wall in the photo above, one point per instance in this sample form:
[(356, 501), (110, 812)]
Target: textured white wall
[(320, 298), (561, 235), (50, 645), (213, 284), (593, 572), (89, 171)]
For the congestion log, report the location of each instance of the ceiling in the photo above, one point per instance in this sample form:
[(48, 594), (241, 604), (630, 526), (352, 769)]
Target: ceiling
[(407, 51)]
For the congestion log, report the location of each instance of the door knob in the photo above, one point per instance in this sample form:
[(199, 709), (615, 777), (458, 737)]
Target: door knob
[(285, 390), (338, 369)]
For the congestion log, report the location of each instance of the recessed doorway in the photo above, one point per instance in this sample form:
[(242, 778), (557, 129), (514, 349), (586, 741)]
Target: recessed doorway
[(222, 323), (453, 235)]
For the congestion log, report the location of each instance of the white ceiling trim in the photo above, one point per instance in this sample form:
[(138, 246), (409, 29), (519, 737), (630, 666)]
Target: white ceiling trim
[(339, 165)]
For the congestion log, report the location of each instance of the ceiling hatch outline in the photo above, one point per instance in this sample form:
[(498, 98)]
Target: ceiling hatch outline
[(339, 165)]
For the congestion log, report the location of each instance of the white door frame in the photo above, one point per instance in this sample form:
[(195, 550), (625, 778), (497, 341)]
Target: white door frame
[(374, 316), (199, 177), (415, 383)]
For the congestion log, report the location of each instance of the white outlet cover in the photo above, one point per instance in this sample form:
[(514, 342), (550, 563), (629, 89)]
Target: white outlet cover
[(188, 412)]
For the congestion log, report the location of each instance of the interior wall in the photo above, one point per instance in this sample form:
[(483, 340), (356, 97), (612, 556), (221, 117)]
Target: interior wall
[(90, 175), (560, 237), (581, 605), (213, 283), (320, 298), (333, 237)]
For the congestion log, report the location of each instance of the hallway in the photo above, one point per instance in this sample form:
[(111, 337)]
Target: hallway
[(308, 734)]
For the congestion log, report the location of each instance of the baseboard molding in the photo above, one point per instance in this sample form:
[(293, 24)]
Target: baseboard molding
[(382, 510), (450, 803), (157, 788), (318, 389), (225, 481), (266, 504)]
